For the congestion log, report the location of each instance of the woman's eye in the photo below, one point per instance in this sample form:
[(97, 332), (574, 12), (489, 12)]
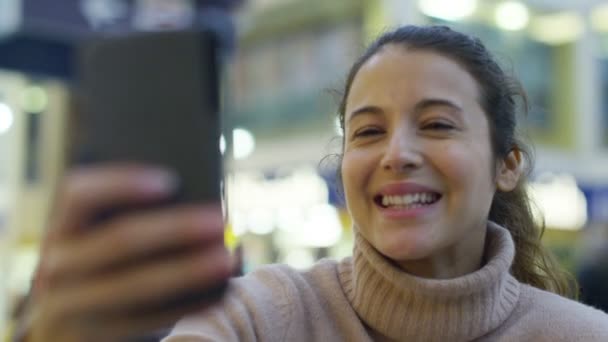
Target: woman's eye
[(367, 132), (441, 126)]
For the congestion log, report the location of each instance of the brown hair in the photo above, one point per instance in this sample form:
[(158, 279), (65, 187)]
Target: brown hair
[(533, 264)]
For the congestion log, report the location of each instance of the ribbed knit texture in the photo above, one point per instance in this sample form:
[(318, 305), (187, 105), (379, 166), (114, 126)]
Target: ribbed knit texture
[(405, 307), (366, 298)]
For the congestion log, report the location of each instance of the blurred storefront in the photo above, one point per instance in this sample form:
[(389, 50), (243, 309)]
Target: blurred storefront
[(281, 102), (31, 135), (283, 83)]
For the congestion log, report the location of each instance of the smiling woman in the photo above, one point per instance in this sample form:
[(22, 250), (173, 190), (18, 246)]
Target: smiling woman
[(446, 248), (430, 139), (444, 117), (445, 245)]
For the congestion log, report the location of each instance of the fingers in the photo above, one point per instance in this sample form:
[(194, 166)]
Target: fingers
[(88, 191), (104, 307), (145, 284), (97, 273), (124, 239)]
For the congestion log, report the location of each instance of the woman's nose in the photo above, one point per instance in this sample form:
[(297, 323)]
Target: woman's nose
[(402, 154)]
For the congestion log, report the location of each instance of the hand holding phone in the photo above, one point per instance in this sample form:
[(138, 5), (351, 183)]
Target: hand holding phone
[(131, 247), (96, 281)]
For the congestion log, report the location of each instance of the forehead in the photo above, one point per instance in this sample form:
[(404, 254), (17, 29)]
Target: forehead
[(399, 75)]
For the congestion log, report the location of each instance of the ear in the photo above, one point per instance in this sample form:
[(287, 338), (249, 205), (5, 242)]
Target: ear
[(509, 171)]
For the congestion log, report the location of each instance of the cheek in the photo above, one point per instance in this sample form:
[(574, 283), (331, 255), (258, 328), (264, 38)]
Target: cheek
[(350, 174), (455, 162), (356, 170), (464, 165)]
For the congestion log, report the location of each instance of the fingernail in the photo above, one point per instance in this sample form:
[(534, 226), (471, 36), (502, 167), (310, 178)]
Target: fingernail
[(160, 180)]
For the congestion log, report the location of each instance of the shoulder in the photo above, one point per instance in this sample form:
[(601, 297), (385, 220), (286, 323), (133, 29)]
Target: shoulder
[(291, 287), (275, 286), (263, 304), (280, 276), (563, 318)]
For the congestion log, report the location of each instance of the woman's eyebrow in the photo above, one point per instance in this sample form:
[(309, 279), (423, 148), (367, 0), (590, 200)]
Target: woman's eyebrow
[(433, 102), (375, 110), (418, 108)]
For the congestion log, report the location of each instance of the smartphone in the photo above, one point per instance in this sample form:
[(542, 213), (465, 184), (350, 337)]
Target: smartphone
[(153, 98)]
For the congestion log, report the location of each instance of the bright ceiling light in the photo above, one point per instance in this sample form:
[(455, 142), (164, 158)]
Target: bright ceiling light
[(599, 18), (323, 227), (512, 16), (222, 144), (6, 118), (320, 226), (559, 202), (558, 28), (34, 99), (448, 9), (10, 17), (244, 143), (261, 221), (299, 258)]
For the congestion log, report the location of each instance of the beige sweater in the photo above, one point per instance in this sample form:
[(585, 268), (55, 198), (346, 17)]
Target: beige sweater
[(366, 298)]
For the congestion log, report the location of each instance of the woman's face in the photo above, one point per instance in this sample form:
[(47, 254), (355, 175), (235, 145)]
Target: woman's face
[(418, 166)]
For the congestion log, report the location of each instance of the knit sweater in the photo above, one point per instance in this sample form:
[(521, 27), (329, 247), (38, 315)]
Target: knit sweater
[(366, 298)]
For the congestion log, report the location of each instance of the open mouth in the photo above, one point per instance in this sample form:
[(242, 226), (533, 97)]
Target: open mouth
[(409, 201)]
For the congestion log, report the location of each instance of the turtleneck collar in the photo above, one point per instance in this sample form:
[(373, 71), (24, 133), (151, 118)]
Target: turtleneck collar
[(401, 306)]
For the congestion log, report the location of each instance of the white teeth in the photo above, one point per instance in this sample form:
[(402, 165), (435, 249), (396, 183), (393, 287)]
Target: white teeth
[(409, 200)]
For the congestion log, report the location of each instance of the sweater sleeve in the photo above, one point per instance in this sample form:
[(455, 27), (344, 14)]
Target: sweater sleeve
[(542, 316), (256, 308), (567, 320)]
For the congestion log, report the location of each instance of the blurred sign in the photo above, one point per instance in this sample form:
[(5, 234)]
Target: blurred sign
[(57, 18), (163, 14), (145, 15), (39, 36), (70, 18), (102, 13), (10, 16), (78, 17), (597, 202)]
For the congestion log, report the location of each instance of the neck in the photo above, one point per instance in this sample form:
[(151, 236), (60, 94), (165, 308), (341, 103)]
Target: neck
[(457, 309), (454, 261)]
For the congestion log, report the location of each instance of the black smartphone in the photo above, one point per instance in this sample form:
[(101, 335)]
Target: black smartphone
[(153, 98)]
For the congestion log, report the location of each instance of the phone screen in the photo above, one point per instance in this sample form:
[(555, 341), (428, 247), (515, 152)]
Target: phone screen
[(153, 98)]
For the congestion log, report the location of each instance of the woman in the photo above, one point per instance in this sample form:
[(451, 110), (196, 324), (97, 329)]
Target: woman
[(446, 249)]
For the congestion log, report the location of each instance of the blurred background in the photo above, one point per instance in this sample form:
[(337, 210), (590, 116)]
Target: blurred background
[(280, 104)]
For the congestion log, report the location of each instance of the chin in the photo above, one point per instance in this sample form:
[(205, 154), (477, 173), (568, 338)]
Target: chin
[(402, 248)]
